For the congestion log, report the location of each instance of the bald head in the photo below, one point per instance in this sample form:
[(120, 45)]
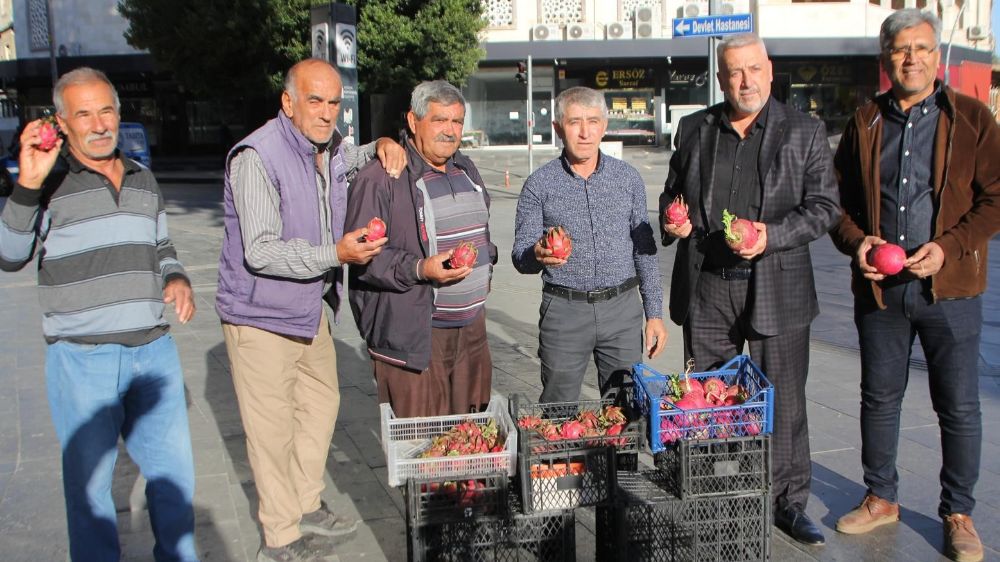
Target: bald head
[(312, 98)]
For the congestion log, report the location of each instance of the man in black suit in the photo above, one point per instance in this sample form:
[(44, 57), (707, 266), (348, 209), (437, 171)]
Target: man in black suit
[(766, 162)]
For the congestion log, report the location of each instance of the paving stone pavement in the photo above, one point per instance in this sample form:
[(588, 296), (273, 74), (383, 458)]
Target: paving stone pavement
[(32, 520)]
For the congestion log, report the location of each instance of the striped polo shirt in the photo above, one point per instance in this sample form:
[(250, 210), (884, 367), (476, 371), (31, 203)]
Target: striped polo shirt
[(458, 210), (105, 253)]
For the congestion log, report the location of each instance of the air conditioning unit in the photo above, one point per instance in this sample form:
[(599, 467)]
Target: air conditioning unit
[(546, 32), (618, 30), (693, 9), (729, 7), (977, 33), (579, 32), (647, 22)]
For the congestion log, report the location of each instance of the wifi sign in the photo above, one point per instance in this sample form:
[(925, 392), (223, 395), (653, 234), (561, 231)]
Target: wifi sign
[(347, 48)]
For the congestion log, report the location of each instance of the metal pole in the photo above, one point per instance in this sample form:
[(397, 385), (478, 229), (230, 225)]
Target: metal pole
[(714, 90), (52, 42), (947, 58), (531, 122)]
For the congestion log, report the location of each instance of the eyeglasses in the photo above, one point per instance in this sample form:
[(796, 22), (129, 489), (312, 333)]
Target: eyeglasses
[(914, 51)]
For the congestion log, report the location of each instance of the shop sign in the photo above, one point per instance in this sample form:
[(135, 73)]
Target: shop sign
[(623, 78), (825, 74)]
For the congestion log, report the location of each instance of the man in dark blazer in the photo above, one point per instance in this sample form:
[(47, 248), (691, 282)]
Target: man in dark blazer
[(768, 163)]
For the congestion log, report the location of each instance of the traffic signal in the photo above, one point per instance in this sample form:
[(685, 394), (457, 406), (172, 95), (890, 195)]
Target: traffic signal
[(522, 73)]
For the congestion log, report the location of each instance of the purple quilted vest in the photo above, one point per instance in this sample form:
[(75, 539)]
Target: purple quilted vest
[(277, 304)]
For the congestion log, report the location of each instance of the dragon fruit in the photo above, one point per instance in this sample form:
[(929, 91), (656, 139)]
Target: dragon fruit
[(376, 229), (571, 430), (887, 258), (48, 133), (465, 255), (557, 240), (677, 212), (740, 233)]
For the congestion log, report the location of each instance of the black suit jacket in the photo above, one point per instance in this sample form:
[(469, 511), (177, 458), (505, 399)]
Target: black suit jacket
[(799, 205)]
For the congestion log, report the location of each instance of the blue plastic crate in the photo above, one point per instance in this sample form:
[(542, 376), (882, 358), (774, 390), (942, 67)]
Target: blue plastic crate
[(752, 417)]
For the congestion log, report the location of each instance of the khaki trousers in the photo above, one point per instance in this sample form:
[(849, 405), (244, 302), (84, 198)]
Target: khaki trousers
[(289, 399)]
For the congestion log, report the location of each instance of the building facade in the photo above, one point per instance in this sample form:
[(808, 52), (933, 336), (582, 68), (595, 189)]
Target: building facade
[(824, 54)]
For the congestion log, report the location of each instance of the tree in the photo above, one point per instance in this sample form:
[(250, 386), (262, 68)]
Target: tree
[(218, 48), (402, 42), (221, 48)]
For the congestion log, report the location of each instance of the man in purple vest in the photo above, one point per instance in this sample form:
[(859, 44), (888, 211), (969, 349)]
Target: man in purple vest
[(284, 244)]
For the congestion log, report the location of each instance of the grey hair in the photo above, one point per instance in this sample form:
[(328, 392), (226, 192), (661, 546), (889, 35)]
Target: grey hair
[(580, 95), (738, 40), (905, 19), (82, 75), (438, 91), (293, 73)]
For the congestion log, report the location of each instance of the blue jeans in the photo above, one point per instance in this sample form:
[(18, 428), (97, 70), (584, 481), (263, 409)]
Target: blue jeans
[(98, 392), (949, 333)]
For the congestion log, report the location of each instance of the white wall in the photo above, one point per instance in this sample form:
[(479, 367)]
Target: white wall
[(776, 18)]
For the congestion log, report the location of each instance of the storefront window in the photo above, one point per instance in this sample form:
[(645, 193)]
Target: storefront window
[(631, 116), (497, 108), (830, 91)]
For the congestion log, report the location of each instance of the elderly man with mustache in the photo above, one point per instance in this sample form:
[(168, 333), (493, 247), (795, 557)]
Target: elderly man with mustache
[(768, 163), (420, 308)]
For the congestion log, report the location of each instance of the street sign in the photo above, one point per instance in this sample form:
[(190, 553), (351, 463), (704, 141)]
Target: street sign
[(713, 25)]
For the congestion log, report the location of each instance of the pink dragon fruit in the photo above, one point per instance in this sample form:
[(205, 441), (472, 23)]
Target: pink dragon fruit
[(465, 255), (677, 212), (887, 258), (376, 230), (48, 133), (558, 241)]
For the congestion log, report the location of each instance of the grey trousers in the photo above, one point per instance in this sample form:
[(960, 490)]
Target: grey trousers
[(717, 329), (571, 332)]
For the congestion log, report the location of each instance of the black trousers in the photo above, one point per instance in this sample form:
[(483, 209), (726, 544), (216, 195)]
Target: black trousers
[(717, 329)]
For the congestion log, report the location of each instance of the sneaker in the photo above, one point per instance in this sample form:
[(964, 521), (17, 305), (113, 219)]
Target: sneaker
[(873, 512), (325, 522), (961, 541), (298, 551)]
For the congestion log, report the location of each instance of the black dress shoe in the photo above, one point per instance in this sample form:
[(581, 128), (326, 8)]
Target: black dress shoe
[(796, 524)]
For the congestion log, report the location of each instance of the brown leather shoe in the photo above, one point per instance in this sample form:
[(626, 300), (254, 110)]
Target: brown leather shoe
[(873, 512), (961, 541)]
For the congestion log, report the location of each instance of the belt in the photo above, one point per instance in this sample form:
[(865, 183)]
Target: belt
[(731, 273), (591, 296)]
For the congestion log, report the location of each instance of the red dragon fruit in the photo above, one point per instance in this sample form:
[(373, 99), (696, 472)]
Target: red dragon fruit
[(571, 430), (740, 233), (376, 230), (677, 212), (887, 258), (465, 255), (48, 133), (558, 241)]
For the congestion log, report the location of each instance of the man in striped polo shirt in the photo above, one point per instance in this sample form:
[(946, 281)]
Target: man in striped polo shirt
[(590, 307), (422, 317), (105, 271)]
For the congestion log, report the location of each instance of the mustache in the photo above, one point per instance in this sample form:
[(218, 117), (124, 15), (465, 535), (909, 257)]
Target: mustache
[(445, 137), (98, 136)]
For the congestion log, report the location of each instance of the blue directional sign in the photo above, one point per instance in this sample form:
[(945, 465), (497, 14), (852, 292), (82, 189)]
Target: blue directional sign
[(713, 25)]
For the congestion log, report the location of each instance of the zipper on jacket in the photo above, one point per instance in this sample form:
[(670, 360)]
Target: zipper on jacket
[(975, 254)]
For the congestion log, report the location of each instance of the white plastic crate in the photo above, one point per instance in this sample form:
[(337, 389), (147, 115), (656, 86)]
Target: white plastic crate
[(403, 439)]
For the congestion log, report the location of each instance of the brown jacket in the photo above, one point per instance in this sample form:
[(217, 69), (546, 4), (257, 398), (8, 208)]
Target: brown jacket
[(966, 183)]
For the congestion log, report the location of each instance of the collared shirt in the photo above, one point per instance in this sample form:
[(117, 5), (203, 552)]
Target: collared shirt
[(105, 256), (737, 186), (606, 217), (258, 204), (907, 155)]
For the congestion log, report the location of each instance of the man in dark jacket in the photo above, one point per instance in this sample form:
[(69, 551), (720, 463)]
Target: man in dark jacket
[(919, 167), (422, 316), (766, 162)]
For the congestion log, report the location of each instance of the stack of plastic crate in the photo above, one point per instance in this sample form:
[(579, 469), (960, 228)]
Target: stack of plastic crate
[(459, 507), (562, 473), (709, 498)]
